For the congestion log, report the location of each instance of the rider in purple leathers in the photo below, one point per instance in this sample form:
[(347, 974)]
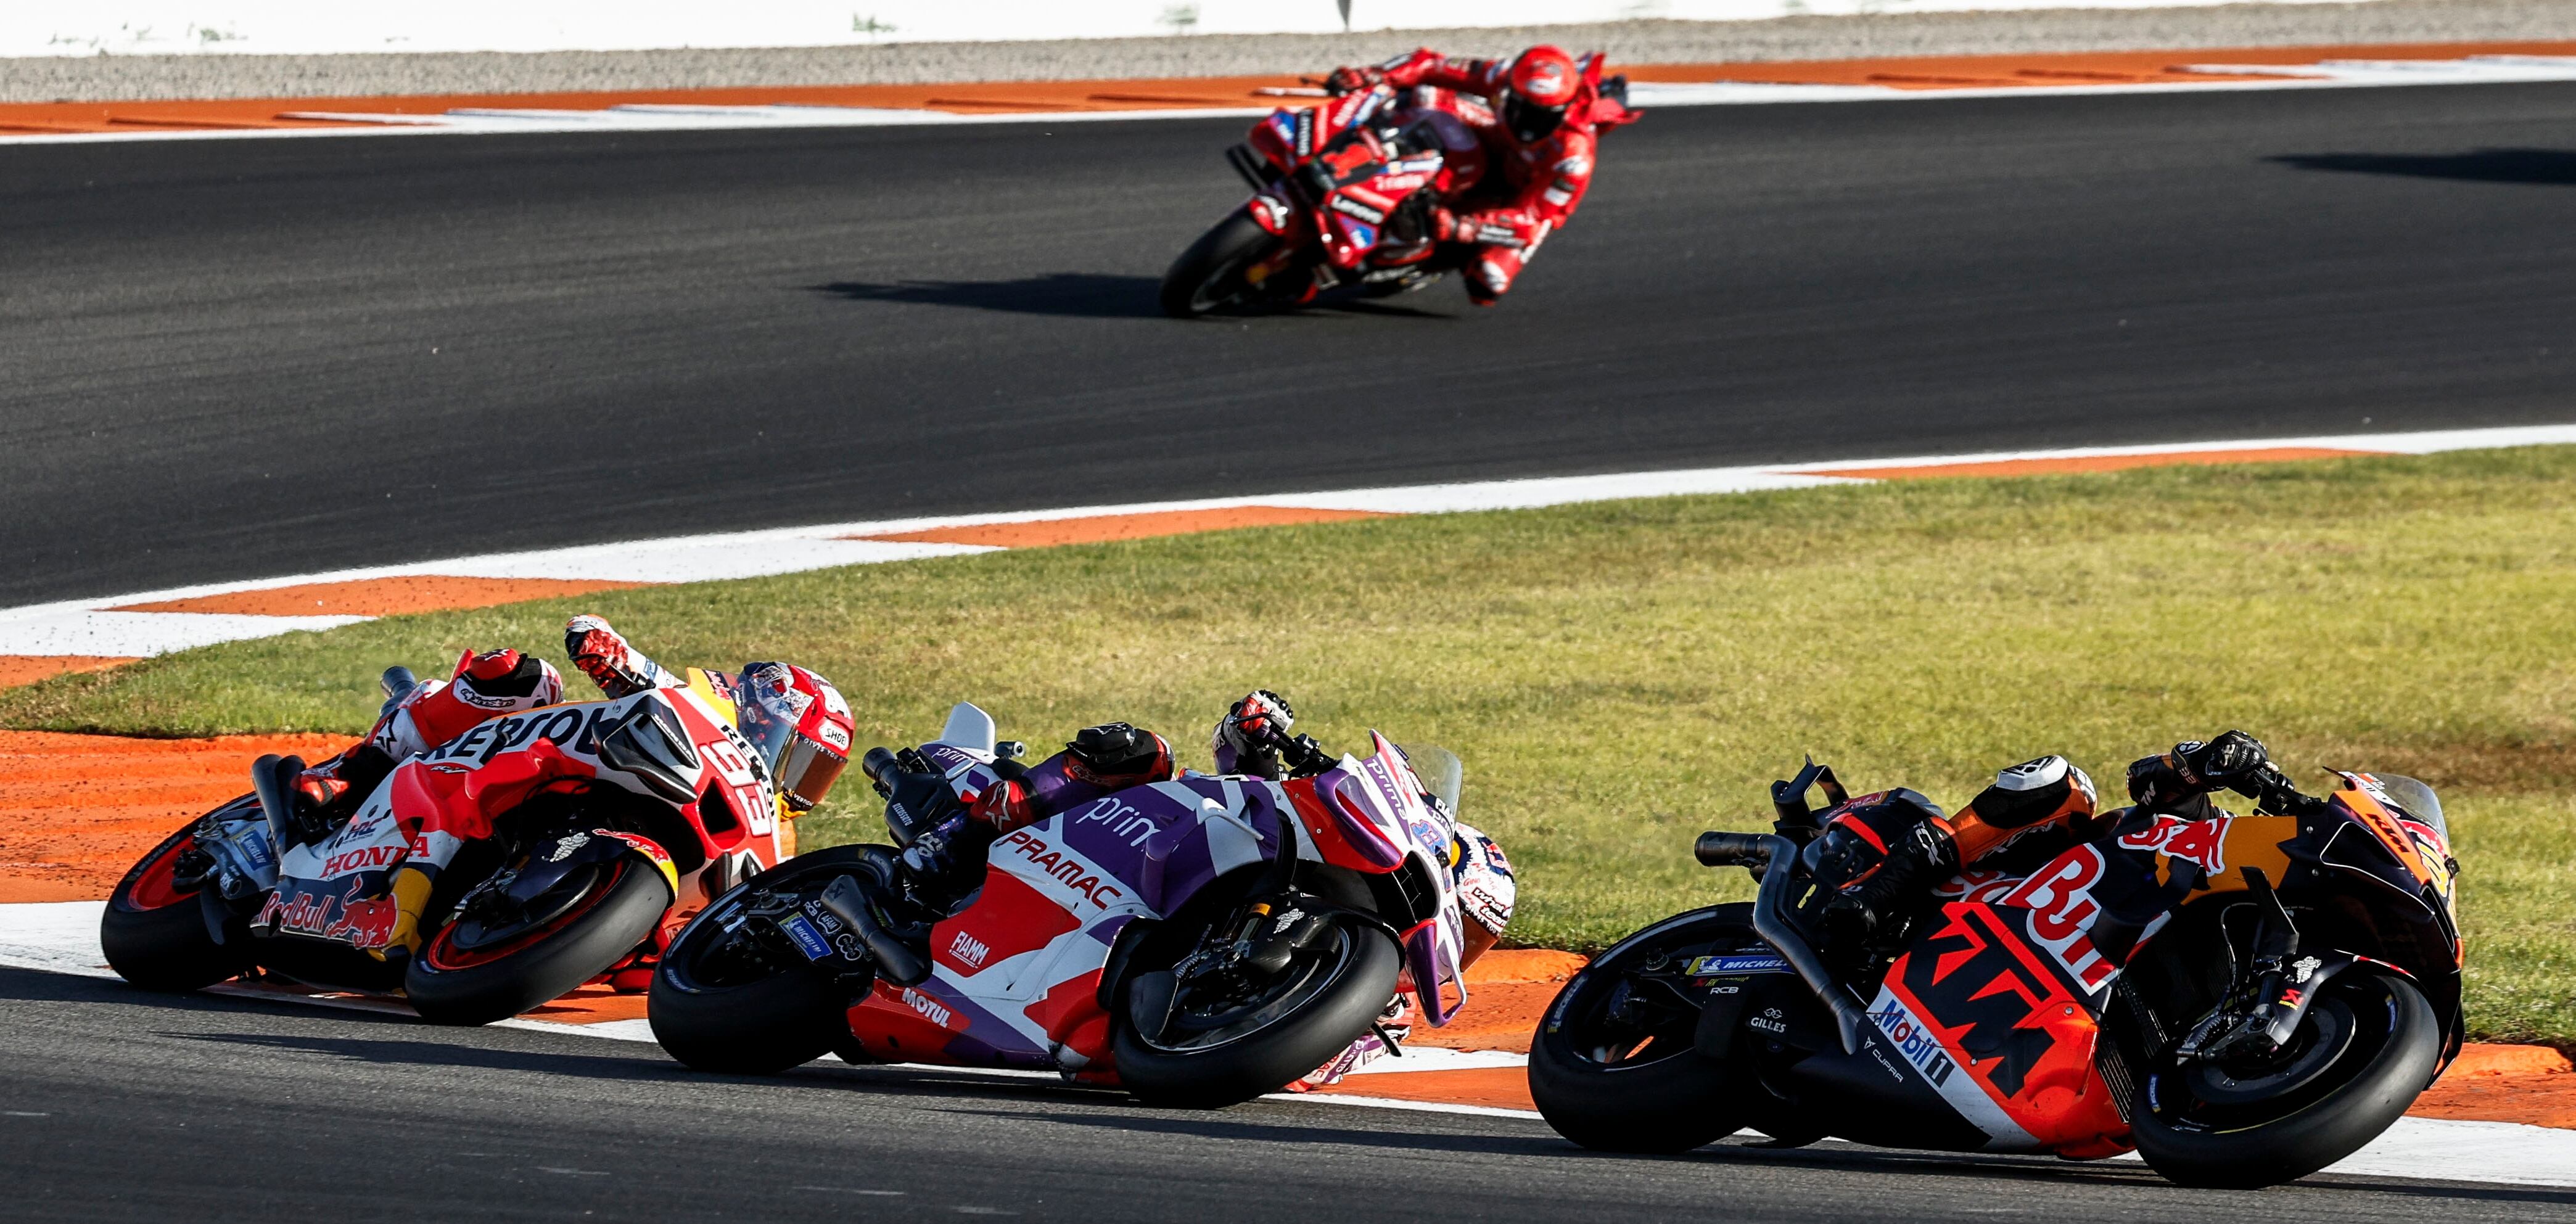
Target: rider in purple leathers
[(945, 866)]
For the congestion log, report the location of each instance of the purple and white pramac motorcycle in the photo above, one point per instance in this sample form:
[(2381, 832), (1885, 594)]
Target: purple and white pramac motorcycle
[(1199, 942)]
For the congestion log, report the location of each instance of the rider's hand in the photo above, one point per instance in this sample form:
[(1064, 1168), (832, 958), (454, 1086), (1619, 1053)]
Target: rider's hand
[(2234, 759), (1352, 80), (601, 653), (1444, 225), (1261, 720)]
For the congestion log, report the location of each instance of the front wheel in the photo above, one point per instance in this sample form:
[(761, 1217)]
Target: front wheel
[(1196, 1032), (2364, 1051), (475, 971), (1209, 276), (1614, 1066), (154, 928), (734, 998)]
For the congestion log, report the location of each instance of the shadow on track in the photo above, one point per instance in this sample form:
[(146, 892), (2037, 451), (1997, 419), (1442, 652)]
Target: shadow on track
[(1089, 295), (2546, 167)]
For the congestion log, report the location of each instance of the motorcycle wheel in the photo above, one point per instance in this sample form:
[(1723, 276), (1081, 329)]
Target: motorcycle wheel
[(2364, 1052), (1617, 1071), (1228, 1041), (717, 1010), (471, 974), (154, 929), (1209, 275)]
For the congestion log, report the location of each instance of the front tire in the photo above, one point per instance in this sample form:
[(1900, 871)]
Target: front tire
[(154, 928), (2386, 1059), (452, 983), (1212, 1054), (1614, 1066), (716, 1013), (1209, 275)]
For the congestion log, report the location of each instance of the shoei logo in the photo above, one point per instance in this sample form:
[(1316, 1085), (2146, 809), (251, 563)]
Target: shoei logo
[(969, 950)]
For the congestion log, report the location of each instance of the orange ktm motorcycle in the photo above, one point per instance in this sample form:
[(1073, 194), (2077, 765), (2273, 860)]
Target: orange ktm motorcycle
[(2243, 1000)]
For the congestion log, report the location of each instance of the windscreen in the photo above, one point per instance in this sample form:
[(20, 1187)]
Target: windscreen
[(2418, 799)]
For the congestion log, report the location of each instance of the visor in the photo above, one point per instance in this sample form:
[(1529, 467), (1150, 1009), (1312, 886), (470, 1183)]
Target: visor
[(808, 772)]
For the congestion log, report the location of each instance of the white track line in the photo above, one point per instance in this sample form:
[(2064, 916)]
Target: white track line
[(92, 627), (62, 937), (646, 117)]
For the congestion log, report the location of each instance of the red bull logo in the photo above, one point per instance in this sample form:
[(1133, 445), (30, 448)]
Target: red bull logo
[(353, 918)]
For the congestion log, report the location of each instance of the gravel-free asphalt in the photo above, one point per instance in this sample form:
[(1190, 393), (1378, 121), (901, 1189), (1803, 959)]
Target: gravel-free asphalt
[(227, 359), (116, 1104)]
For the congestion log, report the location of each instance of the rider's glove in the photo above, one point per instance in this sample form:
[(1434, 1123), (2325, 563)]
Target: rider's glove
[(603, 655), (1249, 737), (1352, 80), (2195, 768)]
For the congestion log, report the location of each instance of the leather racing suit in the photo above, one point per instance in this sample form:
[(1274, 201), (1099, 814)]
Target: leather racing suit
[(1535, 176), (1883, 854)]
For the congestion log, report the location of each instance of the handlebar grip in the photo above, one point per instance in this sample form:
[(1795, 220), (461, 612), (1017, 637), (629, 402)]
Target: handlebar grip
[(1732, 849), (877, 763)]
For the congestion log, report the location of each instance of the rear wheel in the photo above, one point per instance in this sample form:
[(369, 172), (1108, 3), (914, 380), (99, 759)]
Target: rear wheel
[(737, 1002), (1614, 1067), (154, 927), (2366, 1048), (1209, 276), (475, 971), (1196, 1030)]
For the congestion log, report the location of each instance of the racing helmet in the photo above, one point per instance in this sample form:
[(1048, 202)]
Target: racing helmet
[(799, 725), (1542, 83)]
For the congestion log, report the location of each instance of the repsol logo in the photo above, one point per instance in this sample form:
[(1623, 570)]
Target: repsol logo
[(566, 726), (1064, 869)]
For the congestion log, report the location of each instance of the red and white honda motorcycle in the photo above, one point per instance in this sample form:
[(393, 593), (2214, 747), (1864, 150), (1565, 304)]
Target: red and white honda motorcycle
[(589, 828)]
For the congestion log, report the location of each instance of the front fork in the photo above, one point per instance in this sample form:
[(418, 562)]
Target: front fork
[(2272, 992)]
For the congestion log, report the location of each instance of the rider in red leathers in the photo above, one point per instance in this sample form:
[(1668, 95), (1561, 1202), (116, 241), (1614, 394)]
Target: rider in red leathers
[(1540, 125)]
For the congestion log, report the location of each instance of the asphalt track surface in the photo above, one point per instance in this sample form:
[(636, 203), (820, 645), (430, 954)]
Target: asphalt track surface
[(116, 1104), (223, 360)]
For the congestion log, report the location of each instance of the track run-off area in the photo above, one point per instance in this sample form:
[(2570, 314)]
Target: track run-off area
[(237, 359)]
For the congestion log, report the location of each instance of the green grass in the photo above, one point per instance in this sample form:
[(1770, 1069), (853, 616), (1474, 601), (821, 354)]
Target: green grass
[(1620, 676)]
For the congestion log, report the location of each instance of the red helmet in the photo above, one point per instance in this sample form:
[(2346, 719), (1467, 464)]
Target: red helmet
[(800, 726), (1542, 82)]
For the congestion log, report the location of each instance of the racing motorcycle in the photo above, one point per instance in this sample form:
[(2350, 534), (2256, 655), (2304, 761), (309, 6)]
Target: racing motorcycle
[(587, 826), (1341, 196), (1198, 942), (2243, 1000)]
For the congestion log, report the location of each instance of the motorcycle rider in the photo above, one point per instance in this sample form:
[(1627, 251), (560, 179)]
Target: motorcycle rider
[(797, 723), (944, 867), (1539, 130), (1882, 854)]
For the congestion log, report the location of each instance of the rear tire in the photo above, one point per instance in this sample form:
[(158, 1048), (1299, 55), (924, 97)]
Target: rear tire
[(449, 986), (154, 933), (759, 1027), (2195, 1145), (1613, 1087), (1208, 276)]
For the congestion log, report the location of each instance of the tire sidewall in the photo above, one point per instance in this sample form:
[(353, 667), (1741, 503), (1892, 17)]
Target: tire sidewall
[(546, 970), (1669, 1105), (166, 948), (1218, 252), (1273, 1057), (2316, 1136), (759, 1028)]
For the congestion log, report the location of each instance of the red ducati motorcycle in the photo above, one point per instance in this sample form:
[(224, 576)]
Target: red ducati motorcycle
[(1341, 200)]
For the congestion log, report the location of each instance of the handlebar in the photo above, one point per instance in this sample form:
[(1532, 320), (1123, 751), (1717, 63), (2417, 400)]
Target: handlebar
[(1771, 921), (1734, 849), (876, 764)]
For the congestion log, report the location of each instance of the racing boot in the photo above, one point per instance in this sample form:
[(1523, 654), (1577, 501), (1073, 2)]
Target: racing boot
[(409, 892)]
